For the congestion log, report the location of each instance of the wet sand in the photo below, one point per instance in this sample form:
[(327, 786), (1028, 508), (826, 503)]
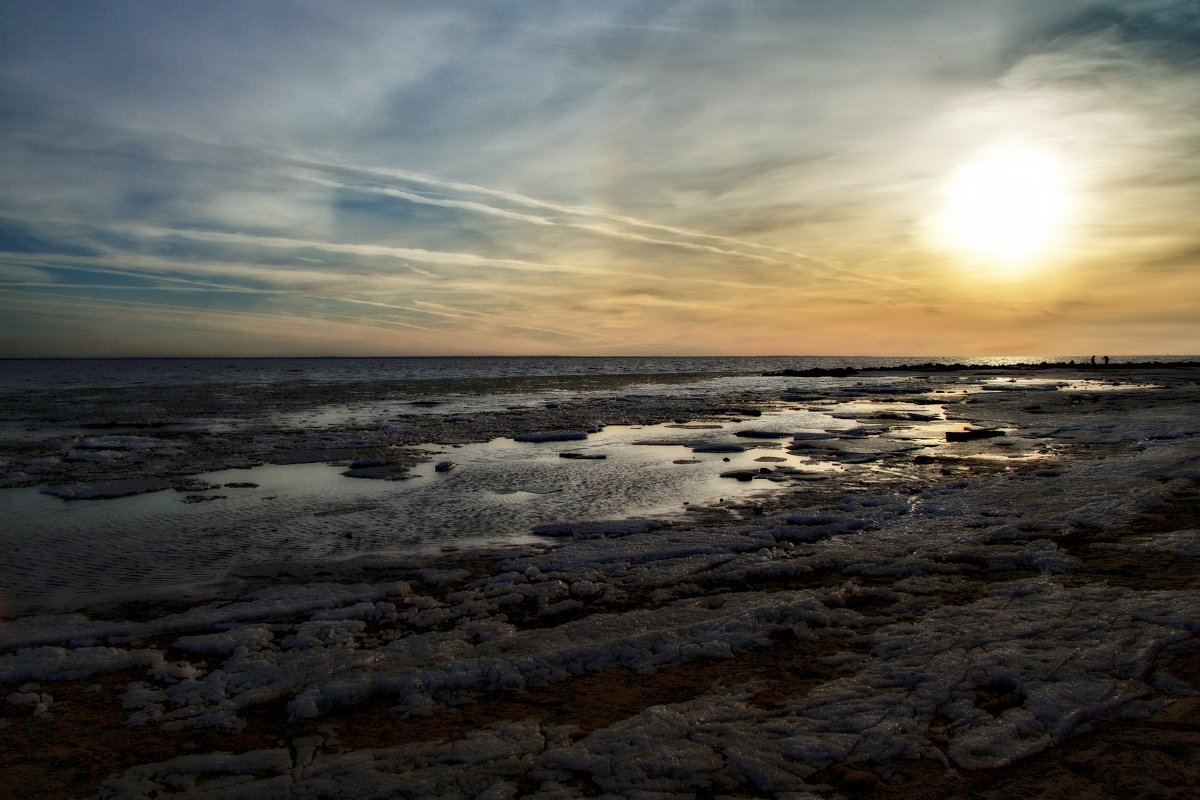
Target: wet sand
[(1012, 616)]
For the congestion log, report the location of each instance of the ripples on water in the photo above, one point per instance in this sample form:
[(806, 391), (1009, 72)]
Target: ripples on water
[(64, 554)]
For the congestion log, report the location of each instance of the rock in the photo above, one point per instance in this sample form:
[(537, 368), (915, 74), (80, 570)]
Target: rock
[(739, 412), (799, 396), (755, 433), (805, 436), (202, 498), (745, 474), (971, 434), (584, 456), (311, 455), (853, 457), (194, 485), (387, 472), (443, 466), (551, 436), (911, 416), (363, 463), (103, 490), (836, 372), (719, 448)]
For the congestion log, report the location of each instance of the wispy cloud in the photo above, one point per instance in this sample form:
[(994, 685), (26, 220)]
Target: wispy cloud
[(362, 249), (524, 177), (581, 217)]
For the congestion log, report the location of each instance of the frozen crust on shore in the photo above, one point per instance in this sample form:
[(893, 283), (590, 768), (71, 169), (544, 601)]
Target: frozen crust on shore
[(968, 617)]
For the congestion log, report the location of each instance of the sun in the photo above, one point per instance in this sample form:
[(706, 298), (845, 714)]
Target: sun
[(1005, 208)]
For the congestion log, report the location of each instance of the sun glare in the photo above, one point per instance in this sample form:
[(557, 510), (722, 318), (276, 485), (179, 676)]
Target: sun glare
[(1005, 208)]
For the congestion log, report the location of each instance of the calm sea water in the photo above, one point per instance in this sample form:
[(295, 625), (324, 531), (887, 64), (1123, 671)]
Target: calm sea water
[(80, 373)]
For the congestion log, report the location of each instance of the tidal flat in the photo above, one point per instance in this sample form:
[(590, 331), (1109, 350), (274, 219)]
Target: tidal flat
[(755, 586)]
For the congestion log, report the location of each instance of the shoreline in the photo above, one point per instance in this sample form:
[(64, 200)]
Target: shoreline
[(939, 367), (913, 629)]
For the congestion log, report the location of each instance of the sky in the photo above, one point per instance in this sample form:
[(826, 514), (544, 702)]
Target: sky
[(629, 177)]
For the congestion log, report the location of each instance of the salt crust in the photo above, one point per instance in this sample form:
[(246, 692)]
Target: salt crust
[(1073, 654)]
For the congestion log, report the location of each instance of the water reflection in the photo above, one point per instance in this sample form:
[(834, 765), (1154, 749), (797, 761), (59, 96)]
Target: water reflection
[(63, 554)]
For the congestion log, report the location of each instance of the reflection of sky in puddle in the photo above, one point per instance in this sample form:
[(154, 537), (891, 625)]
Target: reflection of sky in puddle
[(62, 554)]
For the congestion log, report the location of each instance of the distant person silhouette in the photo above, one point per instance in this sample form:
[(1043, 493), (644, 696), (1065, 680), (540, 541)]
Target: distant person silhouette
[(1093, 361), (1106, 361)]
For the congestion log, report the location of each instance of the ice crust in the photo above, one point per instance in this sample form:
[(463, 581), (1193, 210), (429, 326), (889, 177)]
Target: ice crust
[(977, 594)]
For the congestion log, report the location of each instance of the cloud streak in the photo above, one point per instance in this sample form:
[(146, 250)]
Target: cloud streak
[(677, 177), (580, 217)]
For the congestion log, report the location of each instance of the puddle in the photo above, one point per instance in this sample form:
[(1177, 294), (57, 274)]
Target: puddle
[(64, 554)]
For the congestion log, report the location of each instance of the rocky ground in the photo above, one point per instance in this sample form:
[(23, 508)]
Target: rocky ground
[(1013, 615)]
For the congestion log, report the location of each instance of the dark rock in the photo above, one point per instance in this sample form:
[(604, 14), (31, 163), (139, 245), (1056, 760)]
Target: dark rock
[(104, 490), (719, 448), (311, 456), (912, 416), (755, 433), (194, 485), (551, 436), (202, 498), (387, 472), (443, 466), (363, 463), (741, 412), (972, 434), (584, 456), (854, 457)]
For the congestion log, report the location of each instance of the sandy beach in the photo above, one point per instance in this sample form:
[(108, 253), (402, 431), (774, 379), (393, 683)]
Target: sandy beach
[(980, 583)]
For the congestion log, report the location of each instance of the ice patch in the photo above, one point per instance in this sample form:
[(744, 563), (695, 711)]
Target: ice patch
[(62, 664)]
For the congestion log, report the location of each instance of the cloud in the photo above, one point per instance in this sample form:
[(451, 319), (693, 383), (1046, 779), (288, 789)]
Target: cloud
[(671, 176)]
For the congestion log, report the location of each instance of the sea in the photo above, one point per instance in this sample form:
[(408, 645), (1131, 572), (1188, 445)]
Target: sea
[(65, 554), (65, 373)]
